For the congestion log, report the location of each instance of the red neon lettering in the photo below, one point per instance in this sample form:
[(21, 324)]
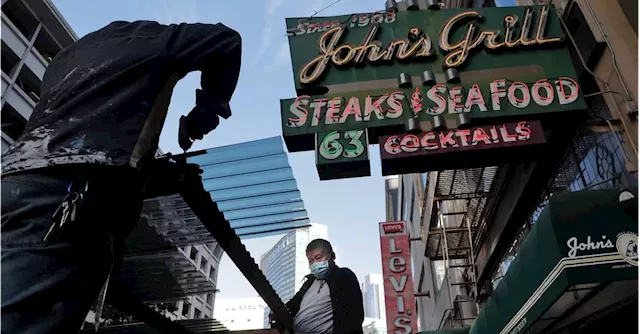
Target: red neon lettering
[(480, 135), (413, 143), (390, 141), (477, 94), (442, 99), (523, 129), (455, 96), (425, 141), (378, 102), (333, 109), (494, 96), (562, 87), (537, 89), (506, 133), (447, 139), (352, 108), (526, 89), (306, 113)]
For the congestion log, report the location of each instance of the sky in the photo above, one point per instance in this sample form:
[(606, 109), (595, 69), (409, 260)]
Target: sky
[(350, 208)]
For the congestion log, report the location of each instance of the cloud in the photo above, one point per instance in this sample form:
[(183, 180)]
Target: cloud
[(282, 57), (272, 6), (267, 33), (185, 11)]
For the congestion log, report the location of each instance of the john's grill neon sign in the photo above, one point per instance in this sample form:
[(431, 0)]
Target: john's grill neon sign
[(332, 51)]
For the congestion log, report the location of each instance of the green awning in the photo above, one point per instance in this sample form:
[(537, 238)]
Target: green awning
[(580, 238), (448, 331)]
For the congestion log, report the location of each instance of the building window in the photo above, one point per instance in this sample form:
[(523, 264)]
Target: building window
[(203, 264), (12, 122), (21, 17), (212, 272), (196, 313), (8, 60), (218, 252), (194, 253), (46, 45), (186, 307), (210, 298), (29, 83)]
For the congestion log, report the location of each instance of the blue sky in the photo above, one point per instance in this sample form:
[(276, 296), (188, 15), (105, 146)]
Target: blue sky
[(351, 208)]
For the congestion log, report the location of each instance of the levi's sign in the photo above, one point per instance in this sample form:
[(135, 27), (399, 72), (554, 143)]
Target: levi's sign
[(399, 298), (395, 227)]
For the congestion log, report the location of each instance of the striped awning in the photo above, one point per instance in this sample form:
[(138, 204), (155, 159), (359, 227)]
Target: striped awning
[(253, 186), (194, 325)]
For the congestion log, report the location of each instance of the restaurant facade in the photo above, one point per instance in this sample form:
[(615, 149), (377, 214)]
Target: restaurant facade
[(513, 135)]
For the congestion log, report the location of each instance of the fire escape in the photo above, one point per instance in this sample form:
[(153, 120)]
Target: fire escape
[(461, 200)]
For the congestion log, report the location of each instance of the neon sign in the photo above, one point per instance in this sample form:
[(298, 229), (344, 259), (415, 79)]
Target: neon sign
[(458, 53), (369, 49), (362, 20), (434, 142), (371, 111), (332, 51), (330, 148)]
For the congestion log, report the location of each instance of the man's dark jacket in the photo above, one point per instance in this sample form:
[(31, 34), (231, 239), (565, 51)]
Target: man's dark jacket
[(346, 299), (105, 98)]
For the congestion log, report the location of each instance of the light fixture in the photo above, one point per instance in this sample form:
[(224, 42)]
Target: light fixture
[(428, 78), (438, 123), (433, 4), (452, 75), (411, 126), (625, 195), (391, 5), (404, 80), (464, 121)]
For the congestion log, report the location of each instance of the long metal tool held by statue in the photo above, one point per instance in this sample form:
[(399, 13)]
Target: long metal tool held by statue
[(172, 174)]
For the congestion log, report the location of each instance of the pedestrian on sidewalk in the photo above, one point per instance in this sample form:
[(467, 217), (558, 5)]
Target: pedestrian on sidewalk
[(330, 300)]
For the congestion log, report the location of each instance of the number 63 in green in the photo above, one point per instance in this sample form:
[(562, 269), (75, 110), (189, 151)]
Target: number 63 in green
[(331, 148)]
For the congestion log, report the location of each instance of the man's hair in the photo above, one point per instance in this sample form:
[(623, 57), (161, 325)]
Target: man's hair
[(320, 244)]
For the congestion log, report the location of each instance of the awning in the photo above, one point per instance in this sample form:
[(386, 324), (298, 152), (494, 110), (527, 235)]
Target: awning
[(194, 325), (254, 187), (581, 240), (448, 331)]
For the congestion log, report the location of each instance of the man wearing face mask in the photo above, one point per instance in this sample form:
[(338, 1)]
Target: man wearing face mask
[(330, 300)]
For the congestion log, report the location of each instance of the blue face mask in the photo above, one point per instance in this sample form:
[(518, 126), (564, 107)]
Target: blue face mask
[(320, 269)]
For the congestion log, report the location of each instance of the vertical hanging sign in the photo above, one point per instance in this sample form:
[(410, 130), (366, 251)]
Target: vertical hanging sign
[(398, 284)]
